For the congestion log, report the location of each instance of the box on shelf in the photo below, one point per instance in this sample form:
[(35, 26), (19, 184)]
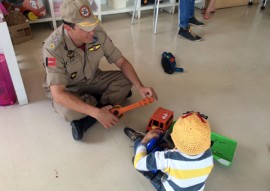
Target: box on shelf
[(117, 4), (20, 33), (18, 27)]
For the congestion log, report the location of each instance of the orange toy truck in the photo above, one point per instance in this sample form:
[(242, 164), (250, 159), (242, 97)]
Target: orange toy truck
[(161, 119)]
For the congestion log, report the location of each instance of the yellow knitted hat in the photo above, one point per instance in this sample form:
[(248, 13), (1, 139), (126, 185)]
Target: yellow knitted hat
[(191, 134)]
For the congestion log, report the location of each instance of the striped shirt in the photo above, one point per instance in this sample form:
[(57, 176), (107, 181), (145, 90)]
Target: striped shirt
[(181, 172)]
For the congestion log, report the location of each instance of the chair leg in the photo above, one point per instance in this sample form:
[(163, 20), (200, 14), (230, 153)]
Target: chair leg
[(135, 11), (264, 2), (263, 5), (156, 9)]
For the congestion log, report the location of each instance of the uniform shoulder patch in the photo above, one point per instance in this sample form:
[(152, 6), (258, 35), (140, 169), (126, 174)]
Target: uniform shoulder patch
[(54, 42), (50, 62)]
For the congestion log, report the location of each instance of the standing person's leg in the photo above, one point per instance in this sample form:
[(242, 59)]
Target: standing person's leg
[(192, 19), (210, 9), (191, 8), (185, 11)]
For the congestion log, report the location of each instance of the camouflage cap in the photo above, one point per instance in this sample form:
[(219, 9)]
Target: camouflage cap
[(79, 13)]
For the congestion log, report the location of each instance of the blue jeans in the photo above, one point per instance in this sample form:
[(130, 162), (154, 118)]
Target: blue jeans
[(186, 11), (156, 179)]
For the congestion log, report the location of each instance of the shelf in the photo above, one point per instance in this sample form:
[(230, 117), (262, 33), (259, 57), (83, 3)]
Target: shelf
[(161, 5), (47, 18), (104, 9)]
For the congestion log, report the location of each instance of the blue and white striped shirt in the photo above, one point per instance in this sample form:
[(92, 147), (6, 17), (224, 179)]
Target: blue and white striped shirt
[(181, 172)]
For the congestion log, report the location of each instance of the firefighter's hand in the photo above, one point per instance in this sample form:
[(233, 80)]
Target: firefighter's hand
[(106, 118)]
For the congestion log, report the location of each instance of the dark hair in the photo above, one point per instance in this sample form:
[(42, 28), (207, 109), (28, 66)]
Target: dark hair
[(72, 25)]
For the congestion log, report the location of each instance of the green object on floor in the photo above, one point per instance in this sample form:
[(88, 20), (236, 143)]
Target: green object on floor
[(223, 149)]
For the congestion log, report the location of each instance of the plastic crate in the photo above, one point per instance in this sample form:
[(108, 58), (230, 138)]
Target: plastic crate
[(223, 149)]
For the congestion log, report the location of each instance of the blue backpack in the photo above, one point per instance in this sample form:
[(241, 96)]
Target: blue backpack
[(168, 63)]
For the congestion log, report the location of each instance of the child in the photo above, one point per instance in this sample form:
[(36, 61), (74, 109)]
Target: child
[(187, 166)]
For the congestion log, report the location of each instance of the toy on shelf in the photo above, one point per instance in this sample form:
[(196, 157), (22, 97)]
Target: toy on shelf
[(223, 148), (119, 110), (32, 9)]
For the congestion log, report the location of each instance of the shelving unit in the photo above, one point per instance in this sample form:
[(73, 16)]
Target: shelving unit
[(50, 17), (104, 9), (168, 5)]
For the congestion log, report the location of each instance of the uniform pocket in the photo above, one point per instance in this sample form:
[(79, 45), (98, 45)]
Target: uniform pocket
[(74, 70)]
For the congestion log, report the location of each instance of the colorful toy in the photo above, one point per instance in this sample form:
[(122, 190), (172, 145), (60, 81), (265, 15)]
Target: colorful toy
[(223, 148), (119, 110), (161, 119), (32, 9)]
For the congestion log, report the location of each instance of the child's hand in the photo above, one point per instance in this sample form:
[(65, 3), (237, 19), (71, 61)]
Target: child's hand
[(150, 135)]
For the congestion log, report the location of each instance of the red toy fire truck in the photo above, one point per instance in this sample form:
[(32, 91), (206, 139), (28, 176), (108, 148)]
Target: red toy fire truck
[(161, 119)]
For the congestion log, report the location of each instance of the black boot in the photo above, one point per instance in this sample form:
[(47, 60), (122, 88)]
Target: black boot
[(80, 126)]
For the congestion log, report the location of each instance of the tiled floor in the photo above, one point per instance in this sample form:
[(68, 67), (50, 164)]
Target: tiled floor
[(226, 77)]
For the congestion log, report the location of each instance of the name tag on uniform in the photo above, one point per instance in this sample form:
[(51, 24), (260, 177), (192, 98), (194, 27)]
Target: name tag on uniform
[(94, 48)]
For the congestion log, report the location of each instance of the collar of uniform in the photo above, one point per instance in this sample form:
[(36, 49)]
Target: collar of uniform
[(89, 45)]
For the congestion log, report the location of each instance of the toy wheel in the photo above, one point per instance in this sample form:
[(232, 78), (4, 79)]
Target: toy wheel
[(262, 8), (31, 16), (116, 112), (250, 3)]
